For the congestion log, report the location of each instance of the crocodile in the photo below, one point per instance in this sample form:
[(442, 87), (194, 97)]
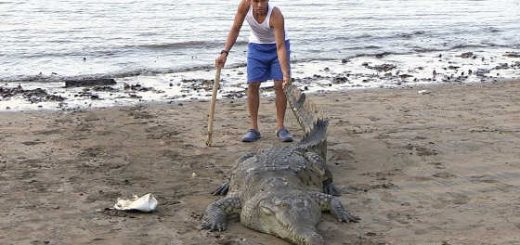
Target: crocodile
[(283, 190)]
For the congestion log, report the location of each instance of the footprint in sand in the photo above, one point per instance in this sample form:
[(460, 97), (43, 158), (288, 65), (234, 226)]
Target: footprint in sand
[(444, 175), (95, 151), (400, 217), (139, 113), (483, 179), (47, 132), (101, 195), (160, 132), (420, 150), (437, 165), (35, 142), (454, 198)]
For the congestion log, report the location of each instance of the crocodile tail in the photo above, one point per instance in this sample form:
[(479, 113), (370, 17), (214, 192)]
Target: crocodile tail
[(311, 119), (316, 140)]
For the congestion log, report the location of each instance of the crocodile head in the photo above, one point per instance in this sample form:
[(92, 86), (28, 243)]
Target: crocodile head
[(292, 217)]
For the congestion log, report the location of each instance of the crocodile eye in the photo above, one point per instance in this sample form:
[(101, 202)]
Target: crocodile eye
[(265, 207), (266, 210)]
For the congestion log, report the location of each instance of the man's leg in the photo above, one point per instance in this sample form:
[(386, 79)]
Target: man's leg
[(253, 103), (281, 104)]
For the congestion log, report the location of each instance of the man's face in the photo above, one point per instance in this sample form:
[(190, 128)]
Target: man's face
[(259, 6)]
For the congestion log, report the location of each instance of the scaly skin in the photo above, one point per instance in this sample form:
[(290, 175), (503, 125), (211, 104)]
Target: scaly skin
[(283, 190)]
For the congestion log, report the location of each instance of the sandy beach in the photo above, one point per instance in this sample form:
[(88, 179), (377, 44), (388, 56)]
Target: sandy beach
[(440, 167)]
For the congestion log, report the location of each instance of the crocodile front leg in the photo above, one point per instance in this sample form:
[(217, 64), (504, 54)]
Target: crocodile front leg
[(330, 188), (216, 213), (333, 204), (319, 165)]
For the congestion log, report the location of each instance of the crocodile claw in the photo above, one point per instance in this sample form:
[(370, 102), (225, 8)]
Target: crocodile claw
[(347, 217), (214, 225), (341, 213)]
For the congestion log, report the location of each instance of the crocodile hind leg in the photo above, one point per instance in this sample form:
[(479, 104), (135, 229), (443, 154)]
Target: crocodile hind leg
[(319, 165), (215, 217), (333, 204)]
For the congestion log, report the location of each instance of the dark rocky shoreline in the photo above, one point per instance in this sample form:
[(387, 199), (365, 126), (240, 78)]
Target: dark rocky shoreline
[(383, 70)]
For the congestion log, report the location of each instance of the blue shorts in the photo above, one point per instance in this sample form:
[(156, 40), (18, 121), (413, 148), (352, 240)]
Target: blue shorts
[(262, 62)]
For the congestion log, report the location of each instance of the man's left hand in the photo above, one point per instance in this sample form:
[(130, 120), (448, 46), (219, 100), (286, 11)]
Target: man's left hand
[(286, 82)]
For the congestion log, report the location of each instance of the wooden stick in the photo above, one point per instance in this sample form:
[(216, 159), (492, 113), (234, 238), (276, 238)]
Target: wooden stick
[(216, 85)]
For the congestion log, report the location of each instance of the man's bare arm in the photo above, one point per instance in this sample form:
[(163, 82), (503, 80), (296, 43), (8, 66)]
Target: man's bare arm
[(277, 23), (243, 7)]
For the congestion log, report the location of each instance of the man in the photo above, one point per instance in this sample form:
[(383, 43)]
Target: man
[(267, 59)]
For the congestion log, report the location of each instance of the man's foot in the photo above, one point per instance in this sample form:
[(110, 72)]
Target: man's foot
[(252, 135), (284, 135)]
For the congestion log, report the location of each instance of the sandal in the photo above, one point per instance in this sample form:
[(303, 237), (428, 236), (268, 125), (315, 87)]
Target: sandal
[(252, 135), (284, 135)]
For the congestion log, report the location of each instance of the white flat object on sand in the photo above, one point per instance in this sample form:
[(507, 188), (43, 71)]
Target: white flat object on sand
[(146, 203)]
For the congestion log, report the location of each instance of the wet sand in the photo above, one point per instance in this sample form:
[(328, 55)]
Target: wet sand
[(441, 167)]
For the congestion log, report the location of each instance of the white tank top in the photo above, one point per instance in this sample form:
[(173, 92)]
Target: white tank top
[(262, 33)]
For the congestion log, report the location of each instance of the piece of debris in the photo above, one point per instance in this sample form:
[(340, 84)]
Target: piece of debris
[(512, 54), (466, 55), (136, 87), (482, 72), (383, 67), (381, 55), (89, 82), (404, 76), (32, 95), (424, 91)]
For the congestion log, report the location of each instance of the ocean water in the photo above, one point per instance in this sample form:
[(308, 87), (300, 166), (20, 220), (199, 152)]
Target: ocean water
[(57, 39)]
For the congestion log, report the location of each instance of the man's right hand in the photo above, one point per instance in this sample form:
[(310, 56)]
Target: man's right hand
[(220, 61)]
